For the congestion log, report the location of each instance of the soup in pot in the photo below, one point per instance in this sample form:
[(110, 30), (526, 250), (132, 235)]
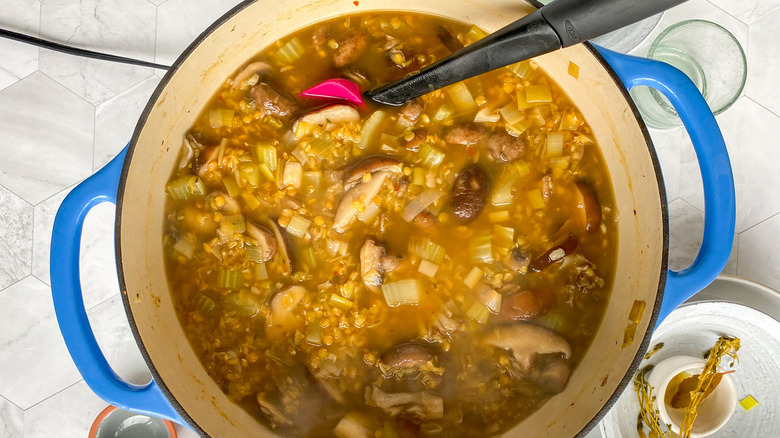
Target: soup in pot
[(436, 269)]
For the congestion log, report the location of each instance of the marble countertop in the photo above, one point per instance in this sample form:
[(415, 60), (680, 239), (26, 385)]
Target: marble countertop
[(62, 118)]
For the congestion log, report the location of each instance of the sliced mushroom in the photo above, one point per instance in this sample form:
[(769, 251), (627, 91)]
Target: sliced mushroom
[(283, 247), (274, 414), (526, 341), (420, 405), (412, 110), (516, 260), (255, 68), (505, 148), (206, 156), (553, 376), (465, 134), (408, 356), (526, 304), (554, 254), (349, 48), (420, 135), (374, 163), (588, 207), (273, 100), (266, 241), (469, 193), (329, 116), (425, 220), (374, 262), (283, 317), (363, 192)]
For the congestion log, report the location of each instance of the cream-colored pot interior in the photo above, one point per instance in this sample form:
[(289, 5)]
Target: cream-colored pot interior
[(188, 88)]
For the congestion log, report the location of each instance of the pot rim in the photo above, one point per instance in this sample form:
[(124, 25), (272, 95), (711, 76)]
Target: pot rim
[(238, 9)]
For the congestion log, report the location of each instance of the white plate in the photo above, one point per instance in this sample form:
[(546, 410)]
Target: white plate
[(726, 307)]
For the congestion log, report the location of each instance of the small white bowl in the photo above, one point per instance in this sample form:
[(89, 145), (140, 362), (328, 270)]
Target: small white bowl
[(714, 412)]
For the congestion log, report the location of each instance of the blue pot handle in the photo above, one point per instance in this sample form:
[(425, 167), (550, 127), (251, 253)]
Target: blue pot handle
[(719, 201), (69, 303)]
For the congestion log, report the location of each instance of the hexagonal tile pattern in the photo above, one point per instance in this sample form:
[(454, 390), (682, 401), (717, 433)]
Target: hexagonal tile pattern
[(179, 22), (748, 11), (686, 227), (15, 239), (43, 222), (36, 363), (11, 419), (116, 119), (751, 137), (120, 27), (19, 60), (47, 138), (758, 255), (70, 413), (764, 62)]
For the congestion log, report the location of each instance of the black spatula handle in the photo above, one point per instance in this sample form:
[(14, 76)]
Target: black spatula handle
[(562, 23)]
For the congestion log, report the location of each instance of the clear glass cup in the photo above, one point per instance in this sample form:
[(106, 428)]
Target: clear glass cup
[(709, 55)]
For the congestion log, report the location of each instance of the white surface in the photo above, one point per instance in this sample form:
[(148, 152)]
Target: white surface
[(61, 118)]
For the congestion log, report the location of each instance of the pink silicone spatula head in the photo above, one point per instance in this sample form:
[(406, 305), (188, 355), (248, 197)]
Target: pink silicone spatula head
[(338, 88)]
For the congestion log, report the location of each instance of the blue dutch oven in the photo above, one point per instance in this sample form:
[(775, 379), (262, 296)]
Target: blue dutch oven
[(181, 389)]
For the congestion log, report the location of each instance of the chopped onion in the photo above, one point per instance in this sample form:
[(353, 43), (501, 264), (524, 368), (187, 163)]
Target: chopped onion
[(185, 247), (519, 127), (402, 292), (431, 156), (322, 146), (503, 238), (522, 168), (420, 203), (554, 144), (443, 113), (502, 194), (461, 97), (486, 114), (538, 94), (473, 277), (478, 312), (313, 179), (428, 268), (481, 249), (511, 115), (489, 298), (298, 226), (535, 199), (261, 272), (293, 174)]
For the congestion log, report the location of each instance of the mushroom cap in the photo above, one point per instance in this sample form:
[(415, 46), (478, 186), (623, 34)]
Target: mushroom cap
[(526, 341)]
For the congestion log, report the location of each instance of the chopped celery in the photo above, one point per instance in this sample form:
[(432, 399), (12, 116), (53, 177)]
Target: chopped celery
[(185, 247), (574, 70), (261, 272), (250, 200), (425, 248), (428, 268), (420, 203), (309, 257), (519, 127), (535, 199), (290, 51), (489, 298), (418, 177), (300, 155), (461, 97), (266, 153), (502, 194), (431, 156), (313, 179), (339, 301), (298, 226), (481, 249), (255, 254), (204, 304), (522, 168), (233, 223), (538, 94), (443, 113), (511, 115), (522, 102), (251, 173), (487, 114), (322, 146), (402, 292), (221, 117), (314, 333), (473, 277), (230, 186), (748, 403), (554, 144), (503, 238), (388, 139), (243, 303), (522, 69), (535, 117), (478, 312), (553, 320), (185, 188), (498, 216), (475, 34), (370, 128), (229, 278), (267, 172)]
